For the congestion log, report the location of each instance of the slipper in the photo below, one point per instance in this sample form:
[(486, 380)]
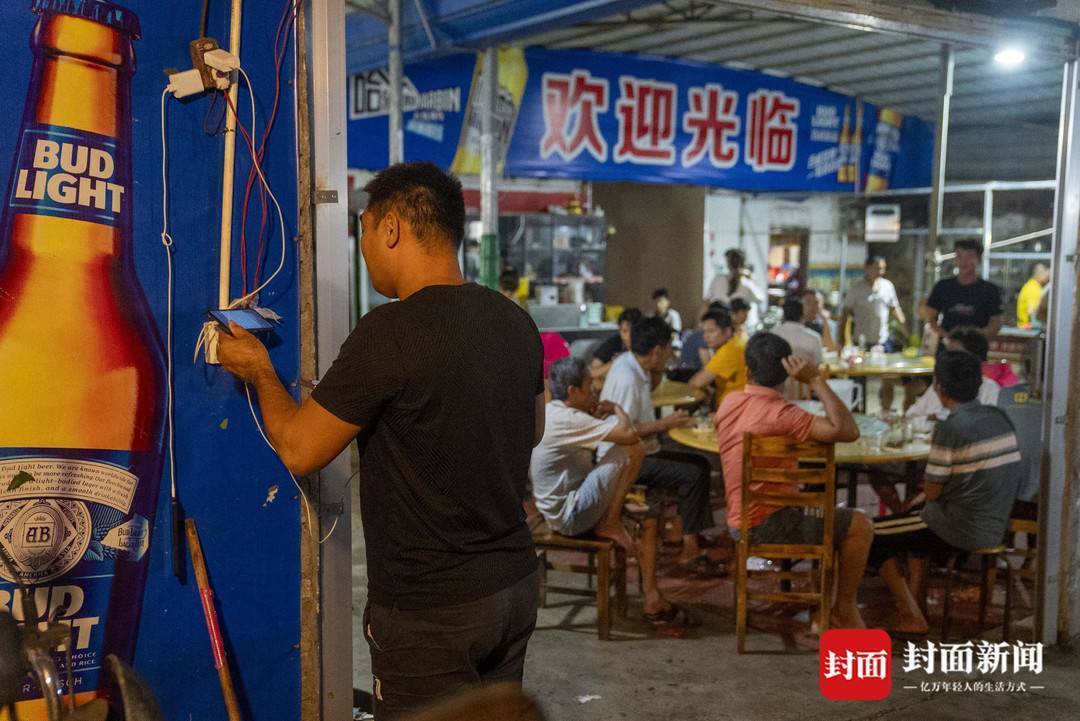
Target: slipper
[(703, 566), (674, 616)]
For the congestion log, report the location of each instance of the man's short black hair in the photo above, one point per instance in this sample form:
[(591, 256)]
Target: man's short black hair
[(649, 334), (972, 340), (793, 308), (632, 316), (738, 304), (659, 293), (426, 197), (735, 258), (764, 351), (721, 317), (874, 259), (509, 280), (567, 373), (974, 246), (959, 374)]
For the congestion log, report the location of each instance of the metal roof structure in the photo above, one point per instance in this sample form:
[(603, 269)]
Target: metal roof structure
[(1004, 123)]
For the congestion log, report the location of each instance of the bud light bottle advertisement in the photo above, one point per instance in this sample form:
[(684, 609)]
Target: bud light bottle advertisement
[(81, 362)]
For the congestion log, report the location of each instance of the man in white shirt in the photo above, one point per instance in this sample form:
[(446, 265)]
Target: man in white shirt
[(805, 343), (577, 495), (628, 386), (870, 301), (974, 342)]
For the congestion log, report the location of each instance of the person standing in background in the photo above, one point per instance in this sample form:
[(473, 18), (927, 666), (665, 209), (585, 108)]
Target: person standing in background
[(965, 299), (509, 280), (869, 303), (606, 352), (738, 283), (1031, 295)]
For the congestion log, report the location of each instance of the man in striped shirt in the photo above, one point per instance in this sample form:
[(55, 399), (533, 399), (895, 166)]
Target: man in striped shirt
[(972, 477)]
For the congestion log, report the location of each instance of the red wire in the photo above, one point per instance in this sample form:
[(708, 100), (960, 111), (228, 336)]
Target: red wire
[(280, 45)]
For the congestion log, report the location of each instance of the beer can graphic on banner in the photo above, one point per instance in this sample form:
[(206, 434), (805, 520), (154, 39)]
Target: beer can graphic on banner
[(81, 362)]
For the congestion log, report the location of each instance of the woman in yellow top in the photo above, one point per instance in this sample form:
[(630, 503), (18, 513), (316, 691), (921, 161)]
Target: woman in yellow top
[(727, 367), (1027, 303)]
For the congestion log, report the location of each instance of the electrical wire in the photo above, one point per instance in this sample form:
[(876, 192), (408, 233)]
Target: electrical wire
[(167, 242), (281, 223), (266, 185)]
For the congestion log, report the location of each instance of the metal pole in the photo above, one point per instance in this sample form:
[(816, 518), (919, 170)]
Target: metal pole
[(489, 196), (937, 191), (228, 167), (397, 138), (988, 230), (325, 56), (1058, 607)]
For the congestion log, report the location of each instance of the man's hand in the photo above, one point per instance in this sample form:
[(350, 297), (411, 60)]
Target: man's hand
[(242, 354), (604, 409), (801, 369), (678, 419)]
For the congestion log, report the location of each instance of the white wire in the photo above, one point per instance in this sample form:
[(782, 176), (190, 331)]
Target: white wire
[(167, 242), (303, 495), (258, 168)]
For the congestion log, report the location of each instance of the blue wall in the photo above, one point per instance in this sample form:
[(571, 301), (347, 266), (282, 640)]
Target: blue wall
[(224, 469)]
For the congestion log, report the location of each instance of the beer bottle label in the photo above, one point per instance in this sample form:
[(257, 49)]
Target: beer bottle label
[(69, 173), (71, 525)]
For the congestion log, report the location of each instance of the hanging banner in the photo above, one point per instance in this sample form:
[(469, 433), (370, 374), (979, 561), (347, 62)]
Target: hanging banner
[(612, 117)]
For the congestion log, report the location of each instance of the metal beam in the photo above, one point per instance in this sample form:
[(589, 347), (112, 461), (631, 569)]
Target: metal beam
[(327, 150), (937, 194), (902, 18), (489, 194), (1058, 613), (393, 32)]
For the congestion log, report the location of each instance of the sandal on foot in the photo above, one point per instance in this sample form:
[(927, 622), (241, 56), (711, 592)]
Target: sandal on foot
[(673, 617), (703, 566)]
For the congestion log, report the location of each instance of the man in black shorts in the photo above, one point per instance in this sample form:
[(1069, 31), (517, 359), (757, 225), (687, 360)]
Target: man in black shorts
[(444, 393), (972, 477)]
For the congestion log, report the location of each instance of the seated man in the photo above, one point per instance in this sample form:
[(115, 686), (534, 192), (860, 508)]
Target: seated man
[(816, 317), (628, 385), (696, 351), (726, 370), (761, 409), (740, 313), (974, 342), (972, 477), (576, 495), (618, 343), (805, 343)]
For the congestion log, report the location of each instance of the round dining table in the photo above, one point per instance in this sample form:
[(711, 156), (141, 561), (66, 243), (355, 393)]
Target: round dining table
[(863, 452), (675, 393), (887, 364)]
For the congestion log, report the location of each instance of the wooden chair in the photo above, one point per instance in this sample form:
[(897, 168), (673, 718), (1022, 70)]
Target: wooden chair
[(810, 483), (606, 559)]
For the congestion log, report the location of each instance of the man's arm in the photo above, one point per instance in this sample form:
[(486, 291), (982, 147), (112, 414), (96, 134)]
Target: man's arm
[(838, 425), (305, 437), (992, 328), (898, 313), (678, 419), (623, 434), (932, 316), (932, 490), (826, 334), (702, 378)]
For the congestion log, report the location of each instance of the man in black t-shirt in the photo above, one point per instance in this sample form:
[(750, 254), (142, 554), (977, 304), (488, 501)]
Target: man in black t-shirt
[(966, 299), (444, 393)]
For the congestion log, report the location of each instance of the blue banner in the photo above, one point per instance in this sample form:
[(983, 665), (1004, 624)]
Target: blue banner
[(612, 117)]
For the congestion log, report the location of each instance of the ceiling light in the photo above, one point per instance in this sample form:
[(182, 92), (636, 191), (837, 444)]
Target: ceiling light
[(1009, 57)]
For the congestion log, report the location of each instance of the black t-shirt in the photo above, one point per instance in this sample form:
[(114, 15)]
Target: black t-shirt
[(610, 348), (973, 304), (444, 384)]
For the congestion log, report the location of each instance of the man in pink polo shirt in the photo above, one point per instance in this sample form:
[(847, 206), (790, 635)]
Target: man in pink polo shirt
[(760, 409)]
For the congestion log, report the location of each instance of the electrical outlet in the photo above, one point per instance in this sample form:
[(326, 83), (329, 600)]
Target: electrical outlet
[(198, 49)]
